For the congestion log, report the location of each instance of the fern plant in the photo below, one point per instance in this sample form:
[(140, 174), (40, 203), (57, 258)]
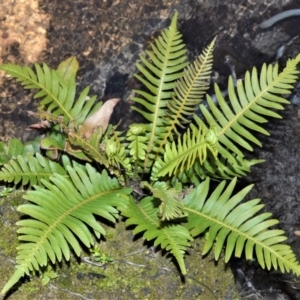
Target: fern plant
[(83, 167)]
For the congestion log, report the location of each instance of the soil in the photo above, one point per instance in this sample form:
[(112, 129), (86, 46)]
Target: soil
[(107, 38)]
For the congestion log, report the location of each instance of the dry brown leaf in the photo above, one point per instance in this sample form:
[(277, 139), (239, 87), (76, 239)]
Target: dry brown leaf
[(99, 118), (42, 125)]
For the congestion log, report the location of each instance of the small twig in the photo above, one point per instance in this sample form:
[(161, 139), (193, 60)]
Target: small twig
[(85, 259), (8, 258), (136, 252), (68, 291), (132, 264)]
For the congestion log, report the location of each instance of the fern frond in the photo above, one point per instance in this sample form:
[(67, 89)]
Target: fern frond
[(159, 73), (138, 141), (173, 237), (190, 89), (236, 226), (116, 156), (56, 90), (254, 99), (30, 169), (171, 204), (223, 168), (87, 150), (63, 213), (188, 92), (181, 155), (215, 168), (220, 168)]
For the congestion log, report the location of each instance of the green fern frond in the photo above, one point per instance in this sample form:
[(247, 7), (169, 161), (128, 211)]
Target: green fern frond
[(117, 156), (181, 155), (236, 226), (171, 206), (220, 168), (215, 168), (57, 93), (63, 213), (257, 97), (223, 168), (87, 150), (51, 87), (189, 91), (173, 237), (165, 64), (30, 169), (138, 141)]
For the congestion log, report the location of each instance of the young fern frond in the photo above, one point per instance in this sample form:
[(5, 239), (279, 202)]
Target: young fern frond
[(171, 206), (53, 228), (138, 141), (256, 97), (166, 62), (170, 236), (236, 226), (116, 155), (87, 150)]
